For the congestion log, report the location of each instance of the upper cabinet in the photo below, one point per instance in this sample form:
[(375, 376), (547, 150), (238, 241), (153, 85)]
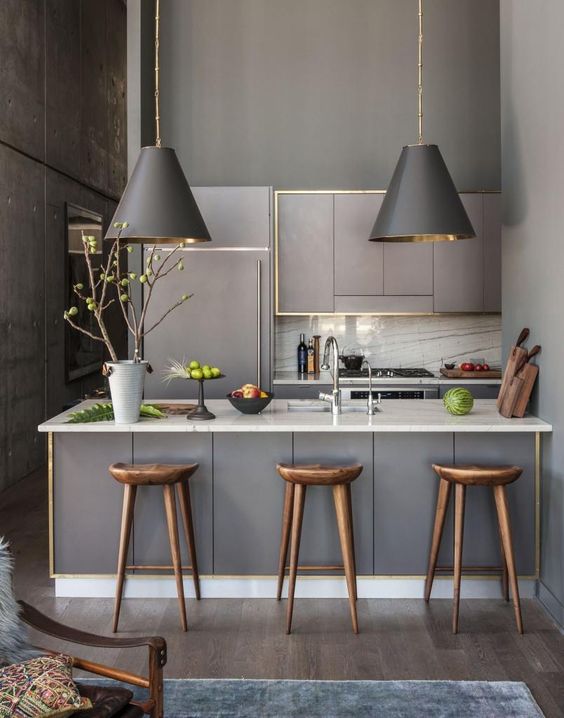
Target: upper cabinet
[(459, 266), (304, 262), (325, 262), (236, 216)]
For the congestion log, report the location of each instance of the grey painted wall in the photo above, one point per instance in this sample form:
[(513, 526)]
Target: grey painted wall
[(322, 93), (62, 138), (532, 110)]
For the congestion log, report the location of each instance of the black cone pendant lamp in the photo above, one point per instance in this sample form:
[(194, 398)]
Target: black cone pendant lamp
[(157, 203), (421, 203)]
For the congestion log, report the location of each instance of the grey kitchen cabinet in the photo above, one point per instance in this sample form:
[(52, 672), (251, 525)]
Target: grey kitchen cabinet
[(150, 536), (408, 269), (219, 325), (305, 253), (384, 305), (320, 537), (236, 216), (300, 391), (459, 265), (492, 252), (359, 264), (479, 391), (248, 499)]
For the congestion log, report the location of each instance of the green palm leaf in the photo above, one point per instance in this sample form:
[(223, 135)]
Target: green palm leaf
[(105, 412)]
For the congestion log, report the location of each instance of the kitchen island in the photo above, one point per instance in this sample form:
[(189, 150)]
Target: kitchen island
[(237, 497)]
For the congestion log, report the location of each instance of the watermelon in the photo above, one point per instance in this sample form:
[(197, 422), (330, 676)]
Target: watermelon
[(458, 401)]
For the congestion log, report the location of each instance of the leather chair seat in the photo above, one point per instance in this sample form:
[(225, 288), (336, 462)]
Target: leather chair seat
[(108, 702)]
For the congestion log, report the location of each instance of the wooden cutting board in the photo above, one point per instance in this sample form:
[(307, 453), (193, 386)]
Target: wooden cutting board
[(514, 359), (528, 376), (459, 374), (173, 409)]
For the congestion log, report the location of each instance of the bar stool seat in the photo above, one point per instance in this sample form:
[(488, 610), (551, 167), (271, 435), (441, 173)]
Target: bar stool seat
[(168, 476), (298, 478), (461, 476)]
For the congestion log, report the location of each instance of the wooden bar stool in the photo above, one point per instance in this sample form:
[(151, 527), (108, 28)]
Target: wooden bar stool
[(462, 476), (298, 478), (168, 476)]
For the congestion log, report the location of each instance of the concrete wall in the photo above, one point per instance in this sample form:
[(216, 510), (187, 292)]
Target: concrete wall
[(532, 109), (62, 138), (323, 93)]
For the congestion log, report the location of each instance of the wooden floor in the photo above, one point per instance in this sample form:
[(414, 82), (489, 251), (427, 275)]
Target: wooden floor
[(399, 639)]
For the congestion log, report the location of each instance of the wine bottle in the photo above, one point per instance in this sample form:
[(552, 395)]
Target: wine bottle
[(302, 355), (310, 358)]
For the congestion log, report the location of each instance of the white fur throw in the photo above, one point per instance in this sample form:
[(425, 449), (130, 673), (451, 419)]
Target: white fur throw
[(14, 647)]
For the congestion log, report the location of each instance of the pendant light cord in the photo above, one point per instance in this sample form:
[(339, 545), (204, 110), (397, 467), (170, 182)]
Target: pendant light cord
[(157, 68), (419, 74)]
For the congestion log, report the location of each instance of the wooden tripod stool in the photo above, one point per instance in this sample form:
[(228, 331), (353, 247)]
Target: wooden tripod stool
[(168, 476), (298, 478), (462, 476)]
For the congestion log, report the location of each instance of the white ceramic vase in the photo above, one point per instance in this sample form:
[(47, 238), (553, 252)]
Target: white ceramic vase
[(127, 380)]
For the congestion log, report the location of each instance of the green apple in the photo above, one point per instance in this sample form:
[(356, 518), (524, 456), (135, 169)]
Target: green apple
[(194, 365), (197, 374), (215, 372)]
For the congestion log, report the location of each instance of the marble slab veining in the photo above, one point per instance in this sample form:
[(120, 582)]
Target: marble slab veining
[(396, 341), (395, 416)]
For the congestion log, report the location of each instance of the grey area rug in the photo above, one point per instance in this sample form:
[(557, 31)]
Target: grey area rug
[(214, 698)]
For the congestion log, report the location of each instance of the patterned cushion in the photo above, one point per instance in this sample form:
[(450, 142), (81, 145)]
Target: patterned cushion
[(40, 687)]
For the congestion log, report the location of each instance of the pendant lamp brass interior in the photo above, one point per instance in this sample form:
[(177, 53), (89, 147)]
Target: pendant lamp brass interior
[(157, 203), (421, 203)]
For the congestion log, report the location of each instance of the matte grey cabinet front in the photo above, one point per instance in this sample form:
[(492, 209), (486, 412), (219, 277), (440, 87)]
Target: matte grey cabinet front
[(359, 264), (248, 500), (219, 325), (459, 266), (492, 252), (305, 253), (408, 269)]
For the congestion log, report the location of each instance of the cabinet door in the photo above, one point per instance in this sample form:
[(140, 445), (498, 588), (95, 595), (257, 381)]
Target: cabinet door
[(408, 268), (492, 252), (218, 325), (305, 253), (359, 265), (236, 216), (459, 266)]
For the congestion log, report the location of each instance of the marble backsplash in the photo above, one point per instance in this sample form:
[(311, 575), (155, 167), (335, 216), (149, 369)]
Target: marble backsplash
[(389, 341)]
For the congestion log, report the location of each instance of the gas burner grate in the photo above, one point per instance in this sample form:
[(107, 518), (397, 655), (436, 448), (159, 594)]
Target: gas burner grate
[(390, 372)]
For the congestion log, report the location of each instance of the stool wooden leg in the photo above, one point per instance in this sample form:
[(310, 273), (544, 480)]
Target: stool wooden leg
[(440, 514), (298, 514), (345, 535), (286, 525), (186, 510), (349, 504), (170, 508), (504, 575), (459, 498), (129, 494), (505, 528)]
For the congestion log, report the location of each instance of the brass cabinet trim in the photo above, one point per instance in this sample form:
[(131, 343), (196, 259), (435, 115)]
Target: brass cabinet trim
[(278, 313)]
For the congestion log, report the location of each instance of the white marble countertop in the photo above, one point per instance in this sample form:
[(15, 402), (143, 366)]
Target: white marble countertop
[(294, 379), (394, 416)]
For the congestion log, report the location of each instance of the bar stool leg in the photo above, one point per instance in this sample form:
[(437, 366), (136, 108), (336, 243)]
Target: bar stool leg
[(286, 525), (349, 504), (186, 510), (440, 515), (170, 508), (129, 494), (505, 528), (504, 574), (298, 514), (459, 499), (345, 535)]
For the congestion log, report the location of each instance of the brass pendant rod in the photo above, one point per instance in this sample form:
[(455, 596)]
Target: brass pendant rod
[(419, 74), (157, 68)]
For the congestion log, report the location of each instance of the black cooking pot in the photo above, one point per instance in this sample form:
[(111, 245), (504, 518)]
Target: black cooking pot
[(352, 362)]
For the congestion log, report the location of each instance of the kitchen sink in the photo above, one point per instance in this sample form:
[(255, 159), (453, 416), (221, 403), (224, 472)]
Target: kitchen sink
[(306, 405)]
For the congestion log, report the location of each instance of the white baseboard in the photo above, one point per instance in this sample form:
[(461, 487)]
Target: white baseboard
[(265, 587)]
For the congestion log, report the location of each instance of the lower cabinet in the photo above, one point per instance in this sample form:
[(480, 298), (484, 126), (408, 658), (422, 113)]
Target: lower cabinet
[(479, 391), (301, 391)]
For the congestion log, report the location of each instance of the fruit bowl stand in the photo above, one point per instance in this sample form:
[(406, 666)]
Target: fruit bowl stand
[(201, 412)]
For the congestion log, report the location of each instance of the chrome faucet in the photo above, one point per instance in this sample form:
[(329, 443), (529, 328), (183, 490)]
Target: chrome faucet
[(370, 401), (335, 397)]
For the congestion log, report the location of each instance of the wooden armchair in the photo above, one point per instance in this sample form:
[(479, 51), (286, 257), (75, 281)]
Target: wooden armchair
[(153, 706)]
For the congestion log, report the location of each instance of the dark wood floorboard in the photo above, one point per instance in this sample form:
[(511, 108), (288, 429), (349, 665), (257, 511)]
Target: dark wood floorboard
[(399, 639)]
